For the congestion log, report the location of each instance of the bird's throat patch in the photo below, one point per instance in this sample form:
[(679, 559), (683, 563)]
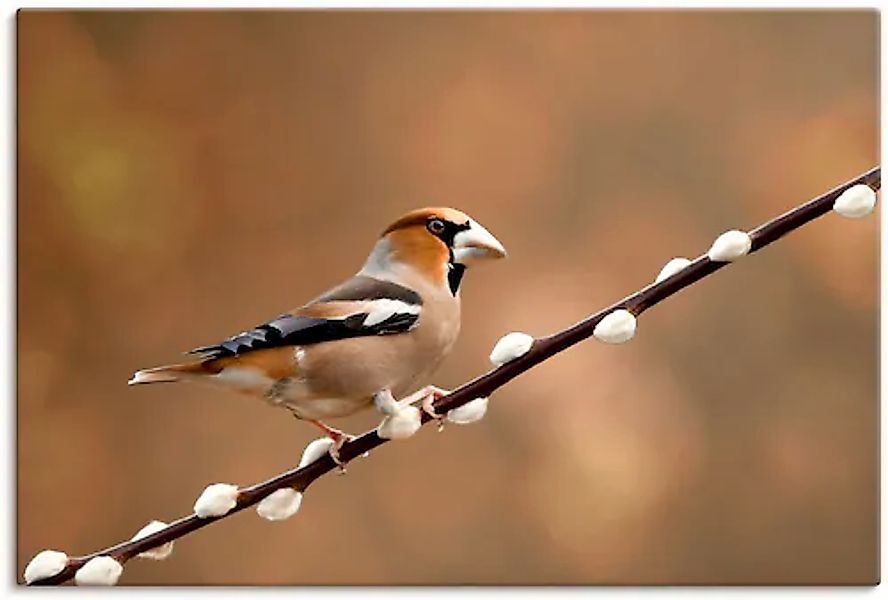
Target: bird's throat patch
[(454, 276)]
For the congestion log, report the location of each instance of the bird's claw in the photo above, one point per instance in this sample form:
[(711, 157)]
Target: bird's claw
[(340, 438), (338, 442), (428, 407), (388, 406)]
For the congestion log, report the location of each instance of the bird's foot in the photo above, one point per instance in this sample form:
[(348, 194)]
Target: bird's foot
[(334, 450), (429, 394), (428, 407), (340, 438)]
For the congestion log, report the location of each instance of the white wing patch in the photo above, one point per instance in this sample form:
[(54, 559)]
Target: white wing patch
[(384, 308)]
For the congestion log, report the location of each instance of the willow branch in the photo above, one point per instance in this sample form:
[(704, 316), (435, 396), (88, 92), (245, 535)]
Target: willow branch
[(542, 349)]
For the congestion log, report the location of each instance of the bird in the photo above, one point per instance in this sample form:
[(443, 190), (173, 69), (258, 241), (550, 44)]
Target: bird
[(362, 343)]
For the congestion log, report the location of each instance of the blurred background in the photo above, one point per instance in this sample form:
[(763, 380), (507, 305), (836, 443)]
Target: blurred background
[(185, 175)]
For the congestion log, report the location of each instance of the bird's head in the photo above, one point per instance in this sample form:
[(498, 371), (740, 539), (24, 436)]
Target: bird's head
[(438, 242)]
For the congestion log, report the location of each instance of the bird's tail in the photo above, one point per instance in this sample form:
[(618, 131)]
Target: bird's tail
[(169, 373)]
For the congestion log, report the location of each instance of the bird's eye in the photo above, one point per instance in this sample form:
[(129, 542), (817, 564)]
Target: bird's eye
[(436, 226)]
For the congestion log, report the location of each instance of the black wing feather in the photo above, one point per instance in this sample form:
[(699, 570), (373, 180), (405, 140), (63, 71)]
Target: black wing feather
[(288, 330), (298, 330)]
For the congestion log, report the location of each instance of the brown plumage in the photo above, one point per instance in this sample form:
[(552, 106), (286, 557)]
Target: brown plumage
[(380, 331)]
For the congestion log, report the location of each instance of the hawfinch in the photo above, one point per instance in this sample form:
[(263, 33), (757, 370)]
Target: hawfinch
[(365, 341)]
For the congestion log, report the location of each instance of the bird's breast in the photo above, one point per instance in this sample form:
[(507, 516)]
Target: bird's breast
[(360, 367), (337, 378)]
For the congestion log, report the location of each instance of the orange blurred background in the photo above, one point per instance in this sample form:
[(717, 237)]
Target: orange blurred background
[(185, 175)]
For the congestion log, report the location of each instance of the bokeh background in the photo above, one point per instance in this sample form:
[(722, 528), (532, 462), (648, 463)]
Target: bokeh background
[(183, 175)]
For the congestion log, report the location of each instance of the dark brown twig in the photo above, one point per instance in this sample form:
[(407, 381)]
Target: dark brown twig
[(485, 385)]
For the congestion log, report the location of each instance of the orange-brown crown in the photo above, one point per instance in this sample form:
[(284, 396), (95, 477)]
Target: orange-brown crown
[(421, 216), (413, 243)]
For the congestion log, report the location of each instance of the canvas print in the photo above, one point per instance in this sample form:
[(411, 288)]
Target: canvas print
[(442, 297)]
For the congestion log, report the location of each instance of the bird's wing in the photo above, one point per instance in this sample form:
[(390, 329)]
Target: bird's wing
[(362, 306)]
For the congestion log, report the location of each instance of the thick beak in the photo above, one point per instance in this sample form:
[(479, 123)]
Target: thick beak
[(476, 244)]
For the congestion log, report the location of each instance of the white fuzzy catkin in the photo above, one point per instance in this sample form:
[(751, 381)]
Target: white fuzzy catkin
[(856, 202), (671, 268), (403, 424), (280, 504), (315, 450), (386, 403), (216, 500), (45, 563), (509, 347), (159, 552), (615, 328), (470, 412), (101, 570), (730, 246)]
